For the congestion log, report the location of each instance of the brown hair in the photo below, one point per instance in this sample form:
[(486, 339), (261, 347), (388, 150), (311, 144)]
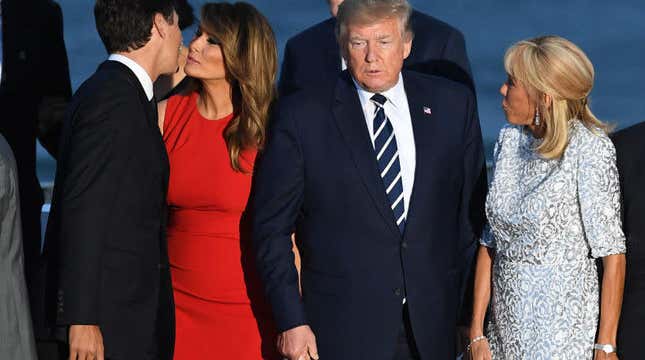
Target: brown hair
[(251, 59), (555, 67)]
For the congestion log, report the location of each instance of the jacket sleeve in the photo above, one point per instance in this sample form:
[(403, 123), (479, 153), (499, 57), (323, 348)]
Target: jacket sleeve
[(276, 200), (94, 161), (472, 217)]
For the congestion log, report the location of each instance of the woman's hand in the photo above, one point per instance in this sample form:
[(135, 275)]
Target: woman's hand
[(480, 350), (601, 355)]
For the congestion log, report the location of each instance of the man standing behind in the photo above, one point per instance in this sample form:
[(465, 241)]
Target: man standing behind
[(106, 234), (312, 58), (630, 155), (34, 90), (383, 179)]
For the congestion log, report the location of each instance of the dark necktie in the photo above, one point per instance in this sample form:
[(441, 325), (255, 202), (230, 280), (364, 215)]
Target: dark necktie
[(387, 156)]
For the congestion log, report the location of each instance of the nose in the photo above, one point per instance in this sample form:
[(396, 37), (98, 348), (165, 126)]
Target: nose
[(504, 89), (196, 44), (370, 55)]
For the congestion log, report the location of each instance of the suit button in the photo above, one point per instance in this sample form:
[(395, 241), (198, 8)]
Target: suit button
[(397, 292), (404, 244)]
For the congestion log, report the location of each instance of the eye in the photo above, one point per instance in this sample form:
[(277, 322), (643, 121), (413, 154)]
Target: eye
[(357, 43), (213, 40), (509, 81)]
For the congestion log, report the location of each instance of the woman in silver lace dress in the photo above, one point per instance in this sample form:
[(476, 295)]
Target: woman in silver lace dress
[(553, 208)]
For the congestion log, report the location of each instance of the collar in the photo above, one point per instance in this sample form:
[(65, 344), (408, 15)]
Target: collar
[(138, 71), (395, 95)]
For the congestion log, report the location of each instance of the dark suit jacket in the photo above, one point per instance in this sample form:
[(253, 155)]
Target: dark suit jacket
[(106, 234), (318, 174), (313, 56), (630, 154), (36, 80)]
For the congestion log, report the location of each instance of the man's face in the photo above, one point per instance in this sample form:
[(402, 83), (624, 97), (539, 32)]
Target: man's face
[(333, 6), (375, 53)]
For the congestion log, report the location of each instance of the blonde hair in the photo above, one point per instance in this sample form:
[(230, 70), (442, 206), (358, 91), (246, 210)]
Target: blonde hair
[(251, 60), (555, 67)]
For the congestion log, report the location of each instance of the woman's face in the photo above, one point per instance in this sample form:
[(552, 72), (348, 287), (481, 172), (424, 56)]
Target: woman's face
[(205, 59), (517, 105)]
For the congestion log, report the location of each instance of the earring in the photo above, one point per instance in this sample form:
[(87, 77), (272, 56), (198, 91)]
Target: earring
[(536, 120)]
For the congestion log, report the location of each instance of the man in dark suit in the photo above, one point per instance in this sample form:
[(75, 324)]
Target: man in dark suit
[(34, 88), (630, 156), (382, 177), (312, 58), (106, 234)]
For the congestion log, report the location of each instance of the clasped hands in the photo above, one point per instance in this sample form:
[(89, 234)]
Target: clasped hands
[(298, 343)]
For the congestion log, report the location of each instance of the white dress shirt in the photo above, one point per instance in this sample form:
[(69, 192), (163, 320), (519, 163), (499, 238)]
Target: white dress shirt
[(398, 111), (140, 72)]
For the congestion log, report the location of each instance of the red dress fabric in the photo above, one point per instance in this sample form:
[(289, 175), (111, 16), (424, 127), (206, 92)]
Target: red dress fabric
[(220, 310)]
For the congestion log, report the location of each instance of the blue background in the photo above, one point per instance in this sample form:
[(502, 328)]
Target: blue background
[(611, 33)]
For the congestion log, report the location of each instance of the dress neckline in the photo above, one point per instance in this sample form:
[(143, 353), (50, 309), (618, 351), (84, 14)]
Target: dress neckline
[(224, 119)]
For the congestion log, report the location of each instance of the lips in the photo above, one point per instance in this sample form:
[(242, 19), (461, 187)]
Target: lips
[(191, 60)]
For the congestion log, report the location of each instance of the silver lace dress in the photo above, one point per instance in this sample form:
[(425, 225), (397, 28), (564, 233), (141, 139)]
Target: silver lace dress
[(548, 221)]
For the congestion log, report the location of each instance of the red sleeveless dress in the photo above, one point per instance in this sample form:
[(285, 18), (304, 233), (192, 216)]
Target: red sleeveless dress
[(220, 309)]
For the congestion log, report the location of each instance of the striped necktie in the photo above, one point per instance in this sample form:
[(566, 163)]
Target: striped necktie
[(387, 156)]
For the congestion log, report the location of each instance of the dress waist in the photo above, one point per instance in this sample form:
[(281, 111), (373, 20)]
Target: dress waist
[(205, 222), (504, 259)]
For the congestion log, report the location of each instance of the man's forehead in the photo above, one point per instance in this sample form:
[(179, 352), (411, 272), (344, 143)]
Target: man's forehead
[(376, 28)]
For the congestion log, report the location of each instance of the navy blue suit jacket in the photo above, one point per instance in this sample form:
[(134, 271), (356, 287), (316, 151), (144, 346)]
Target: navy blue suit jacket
[(313, 57), (318, 175)]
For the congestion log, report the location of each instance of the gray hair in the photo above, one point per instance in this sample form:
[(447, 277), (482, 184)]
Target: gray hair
[(370, 11)]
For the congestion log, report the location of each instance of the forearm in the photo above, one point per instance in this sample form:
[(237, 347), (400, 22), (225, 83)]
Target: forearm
[(611, 298), (481, 294)]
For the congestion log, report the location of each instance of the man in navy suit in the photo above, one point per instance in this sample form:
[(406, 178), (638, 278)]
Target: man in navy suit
[(312, 57), (382, 177)]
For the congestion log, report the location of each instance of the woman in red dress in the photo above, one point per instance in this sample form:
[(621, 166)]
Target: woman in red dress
[(212, 132)]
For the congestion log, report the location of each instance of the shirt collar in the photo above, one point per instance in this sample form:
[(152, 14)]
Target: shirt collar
[(394, 95), (138, 71)]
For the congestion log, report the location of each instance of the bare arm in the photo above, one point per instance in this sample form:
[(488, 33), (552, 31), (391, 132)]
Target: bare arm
[(481, 298), (611, 298)]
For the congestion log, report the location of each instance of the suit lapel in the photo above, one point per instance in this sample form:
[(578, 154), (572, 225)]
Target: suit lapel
[(419, 101), (350, 120)]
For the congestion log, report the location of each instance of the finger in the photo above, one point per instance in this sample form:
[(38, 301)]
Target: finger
[(100, 354), (312, 350), (72, 353)]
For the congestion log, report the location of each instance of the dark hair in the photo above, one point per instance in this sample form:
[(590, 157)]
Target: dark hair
[(185, 14), (124, 25)]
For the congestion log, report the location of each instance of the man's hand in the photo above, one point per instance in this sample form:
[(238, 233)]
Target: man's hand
[(85, 343), (298, 343)]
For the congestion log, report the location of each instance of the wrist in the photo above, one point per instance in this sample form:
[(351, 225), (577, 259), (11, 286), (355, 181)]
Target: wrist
[(606, 340), (475, 332), (607, 348)]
